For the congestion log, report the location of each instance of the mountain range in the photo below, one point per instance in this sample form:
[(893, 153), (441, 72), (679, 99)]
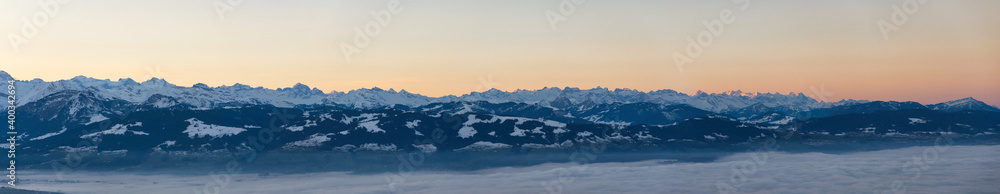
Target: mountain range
[(160, 93), (105, 118)]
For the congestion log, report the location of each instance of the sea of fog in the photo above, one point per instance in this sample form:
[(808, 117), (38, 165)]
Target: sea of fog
[(945, 169)]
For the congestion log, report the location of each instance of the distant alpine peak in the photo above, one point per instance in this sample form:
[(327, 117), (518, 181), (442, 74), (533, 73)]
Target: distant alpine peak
[(202, 96), (154, 80), (967, 103), (302, 90), (962, 101), (967, 99), (5, 76), (127, 81), (201, 85), (754, 94), (738, 93), (300, 86)]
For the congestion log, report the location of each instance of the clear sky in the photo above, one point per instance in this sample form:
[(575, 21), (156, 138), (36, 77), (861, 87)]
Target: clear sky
[(944, 50)]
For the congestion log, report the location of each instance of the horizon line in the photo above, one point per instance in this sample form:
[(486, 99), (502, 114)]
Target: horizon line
[(699, 92)]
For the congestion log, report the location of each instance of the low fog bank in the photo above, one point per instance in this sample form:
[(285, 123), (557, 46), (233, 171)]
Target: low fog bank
[(948, 169)]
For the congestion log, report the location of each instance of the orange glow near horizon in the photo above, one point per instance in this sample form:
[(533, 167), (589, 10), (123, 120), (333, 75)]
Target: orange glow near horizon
[(946, 50)]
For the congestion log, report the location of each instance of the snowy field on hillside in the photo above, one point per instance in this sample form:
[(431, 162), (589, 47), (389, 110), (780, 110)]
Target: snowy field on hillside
[(952, 169)]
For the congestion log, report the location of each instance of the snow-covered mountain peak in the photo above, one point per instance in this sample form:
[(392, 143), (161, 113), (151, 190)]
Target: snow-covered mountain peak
[(625, 90), (128, 81), (80, 77), (493, 90), (203, 96), (571, 89), (963, 101), (241, 86), (967, 103), (668, 94), (156, 82), (549, 88), (201, 85), (302, 91), (300, 87)]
